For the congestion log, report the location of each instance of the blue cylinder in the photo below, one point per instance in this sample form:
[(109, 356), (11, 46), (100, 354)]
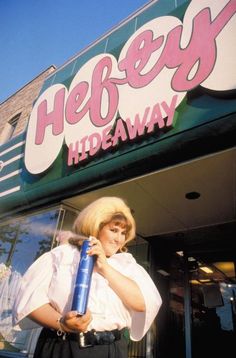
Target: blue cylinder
[(83, 280)]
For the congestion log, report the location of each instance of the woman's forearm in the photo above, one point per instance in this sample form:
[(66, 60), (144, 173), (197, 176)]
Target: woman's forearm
[(46, 316), (125, 288)]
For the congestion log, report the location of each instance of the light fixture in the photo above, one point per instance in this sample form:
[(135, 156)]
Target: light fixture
[(194, 282), (163, 272), (192, 195), (206, 269)]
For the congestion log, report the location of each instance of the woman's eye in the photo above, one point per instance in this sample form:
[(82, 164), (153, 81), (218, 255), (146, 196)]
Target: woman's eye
[(113, 230)]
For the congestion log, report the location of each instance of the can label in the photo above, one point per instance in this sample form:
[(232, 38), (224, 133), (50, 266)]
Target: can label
[(83, 280)]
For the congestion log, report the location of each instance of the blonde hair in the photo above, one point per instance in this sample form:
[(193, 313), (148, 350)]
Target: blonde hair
[(102, 211)]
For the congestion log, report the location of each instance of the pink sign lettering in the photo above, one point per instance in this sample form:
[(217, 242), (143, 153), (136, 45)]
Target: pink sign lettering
[(159, 63)]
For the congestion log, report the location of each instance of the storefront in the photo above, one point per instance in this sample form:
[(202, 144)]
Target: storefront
[(147, 113)]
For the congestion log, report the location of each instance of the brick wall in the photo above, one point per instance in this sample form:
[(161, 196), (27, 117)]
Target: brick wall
[(21, 103)]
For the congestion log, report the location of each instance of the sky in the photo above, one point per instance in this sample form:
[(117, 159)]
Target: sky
[(35, 34)]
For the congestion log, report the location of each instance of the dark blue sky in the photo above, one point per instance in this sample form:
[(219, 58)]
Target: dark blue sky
[(35, 34)]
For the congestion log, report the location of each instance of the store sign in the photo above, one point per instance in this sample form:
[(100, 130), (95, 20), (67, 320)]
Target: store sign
[(111, 101)]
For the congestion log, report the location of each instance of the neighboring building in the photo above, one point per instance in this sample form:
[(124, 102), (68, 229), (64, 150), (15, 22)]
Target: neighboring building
[(15, 110), (148, 113)]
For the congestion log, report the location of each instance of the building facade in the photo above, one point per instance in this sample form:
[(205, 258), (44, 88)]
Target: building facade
[(147, 113), (15, 110)]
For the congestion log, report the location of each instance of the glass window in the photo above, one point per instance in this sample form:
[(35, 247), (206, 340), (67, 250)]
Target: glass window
[(9, 129), (8, 237), (22, 242)]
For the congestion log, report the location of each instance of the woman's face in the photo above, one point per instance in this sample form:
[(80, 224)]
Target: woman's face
[(112, 237)]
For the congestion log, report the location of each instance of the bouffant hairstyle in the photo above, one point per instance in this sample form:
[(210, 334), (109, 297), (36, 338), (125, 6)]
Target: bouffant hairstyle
[(103, 211)]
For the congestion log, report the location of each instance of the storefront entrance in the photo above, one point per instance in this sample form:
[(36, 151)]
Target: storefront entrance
[(177, 237), (195, 274)]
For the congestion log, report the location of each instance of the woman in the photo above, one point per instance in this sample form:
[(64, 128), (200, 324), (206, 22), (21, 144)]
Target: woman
[(122, 295)]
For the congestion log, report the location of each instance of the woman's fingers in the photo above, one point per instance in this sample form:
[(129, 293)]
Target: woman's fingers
[(75, 322), (95, 247), (94, 241)]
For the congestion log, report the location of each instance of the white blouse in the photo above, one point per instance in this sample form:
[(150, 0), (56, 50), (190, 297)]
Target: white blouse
[(51, 278)]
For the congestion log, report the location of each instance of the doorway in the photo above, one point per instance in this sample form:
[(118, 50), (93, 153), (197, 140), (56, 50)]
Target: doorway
[(195, 274), (213, 302)]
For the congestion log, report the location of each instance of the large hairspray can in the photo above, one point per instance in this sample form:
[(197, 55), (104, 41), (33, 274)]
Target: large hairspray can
[(83, 280)]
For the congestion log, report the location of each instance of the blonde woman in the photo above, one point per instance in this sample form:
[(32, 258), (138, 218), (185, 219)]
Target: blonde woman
[(123, 298)]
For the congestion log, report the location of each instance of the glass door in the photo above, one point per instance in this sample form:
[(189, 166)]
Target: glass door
[(195, 274), (213, 294), (168, 273)]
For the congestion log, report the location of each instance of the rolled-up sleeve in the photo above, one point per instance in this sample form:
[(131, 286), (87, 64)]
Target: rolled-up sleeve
[(33, 291), (140, 321)]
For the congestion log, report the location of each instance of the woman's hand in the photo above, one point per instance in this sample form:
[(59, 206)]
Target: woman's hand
[(72, 322), (97, 250), (47, 316)]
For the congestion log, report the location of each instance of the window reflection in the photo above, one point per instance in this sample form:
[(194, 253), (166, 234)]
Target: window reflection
[(22, 242), (34, 238), (8, 236)]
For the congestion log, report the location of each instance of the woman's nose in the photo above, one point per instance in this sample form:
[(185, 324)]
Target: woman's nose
[(117, 236)]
